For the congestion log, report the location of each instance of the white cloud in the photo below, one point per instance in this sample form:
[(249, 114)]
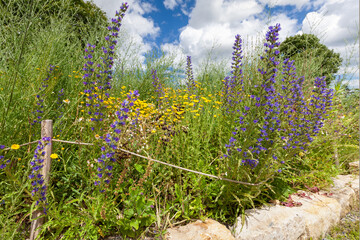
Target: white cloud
[(353, 83), (214, 24), (298, 3), (171, 4), (175, 52), (134, 27), (219, 11), (336, 24)]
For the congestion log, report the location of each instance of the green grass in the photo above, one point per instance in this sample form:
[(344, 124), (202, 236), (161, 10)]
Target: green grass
[(348, 228)]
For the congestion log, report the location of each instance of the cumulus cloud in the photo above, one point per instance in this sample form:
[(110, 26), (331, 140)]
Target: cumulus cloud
[(174, 52), (336, 24), (219, 11), (171, 4), (135, 27), (214, 24), (298, 3)]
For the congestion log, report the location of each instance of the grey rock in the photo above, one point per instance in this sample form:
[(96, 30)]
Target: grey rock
[(312, 219), (199, 230)]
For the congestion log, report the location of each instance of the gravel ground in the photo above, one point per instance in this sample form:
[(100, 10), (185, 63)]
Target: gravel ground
[(348, 228)]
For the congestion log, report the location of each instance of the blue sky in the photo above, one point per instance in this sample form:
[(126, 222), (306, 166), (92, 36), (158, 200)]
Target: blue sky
[(196, 27)]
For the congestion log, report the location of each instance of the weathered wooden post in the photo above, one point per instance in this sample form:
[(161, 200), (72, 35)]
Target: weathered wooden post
[(46, 131)]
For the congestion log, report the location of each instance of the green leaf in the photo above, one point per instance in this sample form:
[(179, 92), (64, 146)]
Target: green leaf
[(135, 224), (139, 168), (129, 212)]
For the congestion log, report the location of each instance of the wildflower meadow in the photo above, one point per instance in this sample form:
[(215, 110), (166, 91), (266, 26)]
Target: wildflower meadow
[(224, 141)]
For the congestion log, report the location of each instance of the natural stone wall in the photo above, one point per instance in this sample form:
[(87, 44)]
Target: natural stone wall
[(207, 230), (316, 215), (313, 216)]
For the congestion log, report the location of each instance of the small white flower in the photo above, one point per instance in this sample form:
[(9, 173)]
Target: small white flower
[(67, 101)]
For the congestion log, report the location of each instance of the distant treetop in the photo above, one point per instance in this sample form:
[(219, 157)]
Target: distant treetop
[(308, 47)]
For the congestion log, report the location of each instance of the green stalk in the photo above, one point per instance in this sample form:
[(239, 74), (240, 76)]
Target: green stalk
[(6, 111)]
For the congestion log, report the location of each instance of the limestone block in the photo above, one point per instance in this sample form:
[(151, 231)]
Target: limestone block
[(271, 223), (320, 213), (346, 192), (341, 181), (208, 230)]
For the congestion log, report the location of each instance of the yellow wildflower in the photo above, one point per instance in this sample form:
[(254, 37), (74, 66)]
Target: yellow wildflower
[(54, 156), (15, 146)]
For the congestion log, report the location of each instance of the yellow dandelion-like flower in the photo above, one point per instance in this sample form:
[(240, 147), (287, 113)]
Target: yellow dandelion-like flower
[(15, 146), (54, 156)]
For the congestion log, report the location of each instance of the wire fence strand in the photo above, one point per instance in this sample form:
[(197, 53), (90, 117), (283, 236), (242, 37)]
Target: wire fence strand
[(158, 161), (24, 144), (72, 142)]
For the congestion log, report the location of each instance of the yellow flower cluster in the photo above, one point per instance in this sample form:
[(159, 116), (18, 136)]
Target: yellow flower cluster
[(76, 74), (176, 105)]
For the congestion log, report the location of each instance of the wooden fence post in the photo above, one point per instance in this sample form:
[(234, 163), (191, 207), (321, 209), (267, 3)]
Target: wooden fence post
[(46, 131)]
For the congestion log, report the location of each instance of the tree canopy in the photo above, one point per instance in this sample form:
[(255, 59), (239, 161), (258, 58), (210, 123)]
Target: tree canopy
[(307, 48), (83, 16)]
